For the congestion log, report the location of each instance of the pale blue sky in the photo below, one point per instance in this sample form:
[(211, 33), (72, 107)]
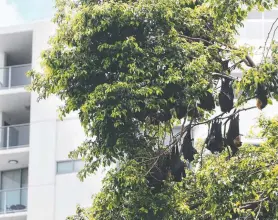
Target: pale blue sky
[(31, 10), (23, 11)]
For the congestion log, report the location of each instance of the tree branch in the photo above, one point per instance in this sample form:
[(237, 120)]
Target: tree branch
[(225, 76), (206, 122), (252, 204), (250, 61), (268, 35), (259, 211)]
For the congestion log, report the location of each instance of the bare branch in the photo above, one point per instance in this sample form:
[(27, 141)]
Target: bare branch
[(268, 37), (252, 204), (259, 211), (250, 61), (175, 140), (271, 40), (225, 76)]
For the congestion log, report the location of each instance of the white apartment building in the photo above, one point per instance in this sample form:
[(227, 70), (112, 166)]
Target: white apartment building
[(37, 180)]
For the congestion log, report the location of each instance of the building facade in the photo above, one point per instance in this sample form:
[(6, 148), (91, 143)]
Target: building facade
[(37, 180)]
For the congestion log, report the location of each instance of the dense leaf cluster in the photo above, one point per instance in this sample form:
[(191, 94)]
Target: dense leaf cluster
[(134, 69), (244, 186)]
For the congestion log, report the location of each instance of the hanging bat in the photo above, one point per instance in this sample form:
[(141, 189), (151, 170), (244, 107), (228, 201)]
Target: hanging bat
[(233, 136), (177, 165), (164, 115), (159, 172), (187, 147), (181, 111), (214, 141), (207, 102), (168, 165), (261, 95), (226, 95)]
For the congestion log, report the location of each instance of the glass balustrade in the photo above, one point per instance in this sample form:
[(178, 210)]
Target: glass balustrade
[(14, 76), (13, 200), (14, 136)]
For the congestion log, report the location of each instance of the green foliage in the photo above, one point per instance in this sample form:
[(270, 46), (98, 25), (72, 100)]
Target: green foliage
[(243, 186), (129, 67), (133, 70)]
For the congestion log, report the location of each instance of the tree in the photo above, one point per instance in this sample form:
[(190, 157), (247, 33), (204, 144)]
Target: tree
[(243, 186), (136, 68)]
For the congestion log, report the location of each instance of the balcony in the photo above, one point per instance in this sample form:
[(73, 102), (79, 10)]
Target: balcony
[(14, 76), (14, 136), (13, 201)]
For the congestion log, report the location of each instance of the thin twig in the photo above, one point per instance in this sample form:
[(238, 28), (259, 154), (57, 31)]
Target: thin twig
[(259, 211), (203, 147), (235, 65), (206, 41), (268, 38), (248, 205), (225, 76), (153, 165), (182, 129), (271, 41)]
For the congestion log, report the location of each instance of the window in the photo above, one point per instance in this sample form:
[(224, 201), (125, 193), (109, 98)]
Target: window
[(14, 179), (69, 166), (64, 167), (14, 193)]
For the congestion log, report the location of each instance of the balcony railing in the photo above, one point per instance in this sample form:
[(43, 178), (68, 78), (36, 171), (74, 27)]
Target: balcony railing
[(13, 200), (14, 76), (14, 136)]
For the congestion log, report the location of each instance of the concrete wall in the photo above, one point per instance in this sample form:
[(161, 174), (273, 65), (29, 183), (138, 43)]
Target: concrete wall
[(41, 192), (51, 196)]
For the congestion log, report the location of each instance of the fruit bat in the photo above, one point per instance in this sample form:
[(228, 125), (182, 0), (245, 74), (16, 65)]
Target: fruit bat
[(171, 89), (164, 115), (177, 165), (181, 111), (159, 172), (214, 141), (226, 95), (233, 136), (160, 116), (261, 95), (187, 147), (168, 164), (207, 102)]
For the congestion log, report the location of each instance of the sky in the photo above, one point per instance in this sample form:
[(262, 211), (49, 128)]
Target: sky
[(22, 11)]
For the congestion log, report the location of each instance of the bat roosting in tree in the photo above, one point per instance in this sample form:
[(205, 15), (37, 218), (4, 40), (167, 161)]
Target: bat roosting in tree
[(207, 102), (187, 147), (159, 172), (169, 164), (226, 95), (233, 135), (214, 141), (261, 95), (181, 111), (177, 165)]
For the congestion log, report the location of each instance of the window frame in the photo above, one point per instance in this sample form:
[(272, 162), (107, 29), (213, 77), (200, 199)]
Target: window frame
[(72, 169)]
